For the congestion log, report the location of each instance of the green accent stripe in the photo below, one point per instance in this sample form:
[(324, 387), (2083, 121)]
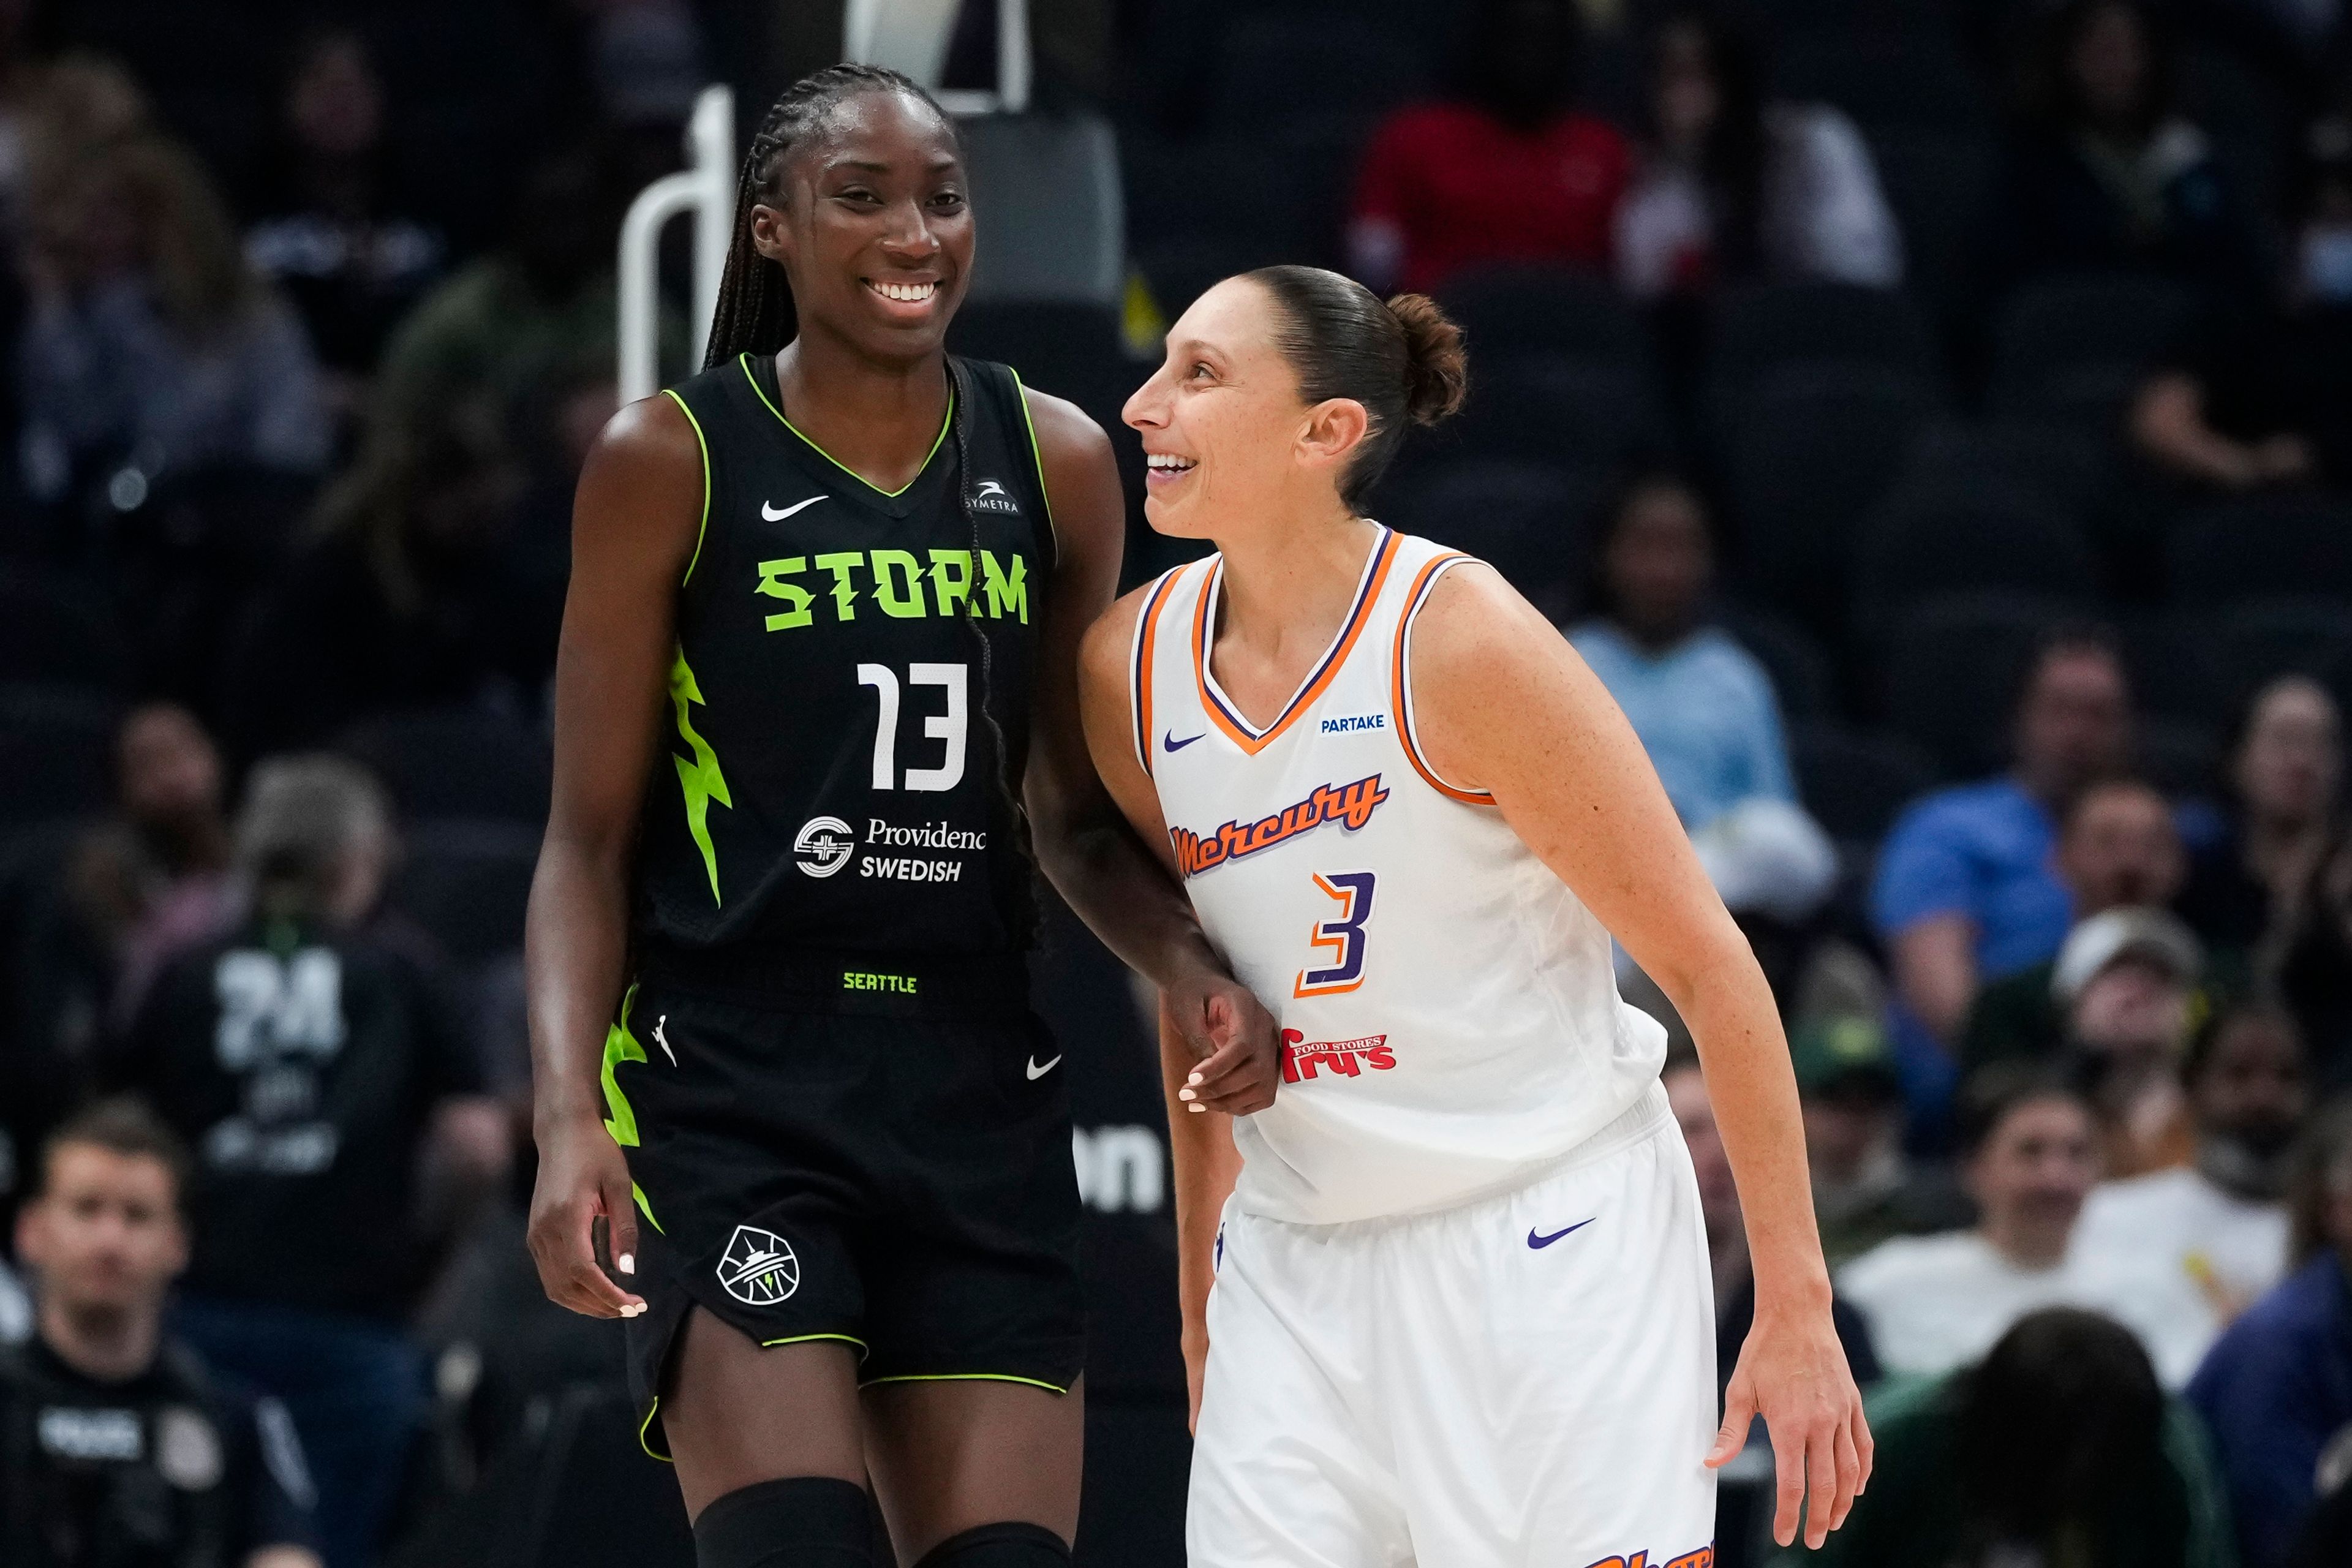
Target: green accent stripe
[(645, 1427), (945, 425), (1021, 391), (700, 780), (645, 1207), (620, 1046), (967, 1377), (804, 1339), (704, 526)]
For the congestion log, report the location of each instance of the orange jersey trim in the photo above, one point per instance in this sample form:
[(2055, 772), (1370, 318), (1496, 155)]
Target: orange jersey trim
[(1146, 633), (1399, 699), (1236, 727)]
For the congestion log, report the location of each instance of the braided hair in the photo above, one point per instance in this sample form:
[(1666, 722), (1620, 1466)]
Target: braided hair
[(755, 315)]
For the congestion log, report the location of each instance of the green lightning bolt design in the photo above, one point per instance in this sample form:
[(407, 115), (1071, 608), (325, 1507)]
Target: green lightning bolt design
[(699, 779)]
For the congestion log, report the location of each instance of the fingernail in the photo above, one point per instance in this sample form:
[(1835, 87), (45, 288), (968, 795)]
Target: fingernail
[(1186, 1094), (1194, 1079), (627, 1262), (1196, 1109)]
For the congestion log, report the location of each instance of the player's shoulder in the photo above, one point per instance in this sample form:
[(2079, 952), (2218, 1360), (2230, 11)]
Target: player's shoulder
[(1104, 653), (1466, 618)]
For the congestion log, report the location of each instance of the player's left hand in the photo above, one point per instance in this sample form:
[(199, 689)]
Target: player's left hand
[(1792, 1372), (1236, 1045)]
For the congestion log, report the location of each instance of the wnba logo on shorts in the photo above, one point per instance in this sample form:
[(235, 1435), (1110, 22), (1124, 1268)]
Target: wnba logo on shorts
[(758, 1268), (824, 846)]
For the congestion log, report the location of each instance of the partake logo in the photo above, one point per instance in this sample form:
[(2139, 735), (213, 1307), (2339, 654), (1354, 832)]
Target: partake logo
[(759, 1268), (990, 497), (823, 846)]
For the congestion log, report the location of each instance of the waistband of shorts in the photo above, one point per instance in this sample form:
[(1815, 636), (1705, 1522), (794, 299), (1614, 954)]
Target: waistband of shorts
[(807, 981)]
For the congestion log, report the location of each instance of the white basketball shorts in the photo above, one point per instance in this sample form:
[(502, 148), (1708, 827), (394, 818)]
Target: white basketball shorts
[(1526, 1381)]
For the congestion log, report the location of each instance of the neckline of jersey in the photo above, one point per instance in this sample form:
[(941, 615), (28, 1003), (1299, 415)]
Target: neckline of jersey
[(1224, 709), (946, 424)]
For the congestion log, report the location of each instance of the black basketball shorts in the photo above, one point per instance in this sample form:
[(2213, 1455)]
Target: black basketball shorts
[(859, 1151)]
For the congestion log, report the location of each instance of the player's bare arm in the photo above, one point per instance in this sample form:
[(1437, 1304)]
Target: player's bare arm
[(1504, 705), (1200, 1133), (1094, 849), (633, 529)]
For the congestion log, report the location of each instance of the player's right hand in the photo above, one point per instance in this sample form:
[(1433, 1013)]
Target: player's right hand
[(1235, 1043), (583, 1178)]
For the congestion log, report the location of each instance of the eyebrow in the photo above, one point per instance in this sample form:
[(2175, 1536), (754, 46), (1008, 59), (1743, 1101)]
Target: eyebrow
[(876, 166)]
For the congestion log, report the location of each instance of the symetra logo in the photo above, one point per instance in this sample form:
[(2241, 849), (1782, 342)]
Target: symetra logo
[(1349, 805), (1302, 1058), (990, 497), (760, 1267), (823, 846)]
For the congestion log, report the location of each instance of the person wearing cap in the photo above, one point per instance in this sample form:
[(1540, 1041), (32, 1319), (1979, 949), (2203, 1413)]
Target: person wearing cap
[(2117, 848), (2220, 1219), (2029, 1158), (1864, 1188), (2127, 982)]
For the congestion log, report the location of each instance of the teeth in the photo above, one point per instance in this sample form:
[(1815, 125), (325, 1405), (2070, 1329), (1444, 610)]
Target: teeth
[(1168, 462), (911, 293)]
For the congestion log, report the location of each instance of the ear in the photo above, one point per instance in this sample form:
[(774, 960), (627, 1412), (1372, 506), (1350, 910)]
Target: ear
[(1333, 431), (771, 232)]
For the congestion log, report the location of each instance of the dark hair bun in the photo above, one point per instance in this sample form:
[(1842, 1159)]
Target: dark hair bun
[(1436, 366)]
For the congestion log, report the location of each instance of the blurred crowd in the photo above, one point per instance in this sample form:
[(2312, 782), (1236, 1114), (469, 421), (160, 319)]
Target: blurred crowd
[(1931, 420)]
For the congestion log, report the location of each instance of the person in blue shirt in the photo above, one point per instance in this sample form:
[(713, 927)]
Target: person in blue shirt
[(2276, 1389), (1966, 887), (1702, 704)]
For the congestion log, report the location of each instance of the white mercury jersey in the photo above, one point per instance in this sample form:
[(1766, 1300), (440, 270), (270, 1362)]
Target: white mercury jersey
[(1450, 1017)]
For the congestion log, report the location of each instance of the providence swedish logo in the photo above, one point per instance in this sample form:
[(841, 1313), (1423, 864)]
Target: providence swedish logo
[(758, 1268)]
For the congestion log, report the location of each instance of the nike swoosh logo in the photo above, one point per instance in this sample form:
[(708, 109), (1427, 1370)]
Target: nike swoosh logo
[(773, 515), (1036, 1072), (1170, 741), (1540, 1242)]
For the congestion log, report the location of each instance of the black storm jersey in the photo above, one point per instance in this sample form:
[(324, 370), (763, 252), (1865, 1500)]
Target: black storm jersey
[(834, 782)]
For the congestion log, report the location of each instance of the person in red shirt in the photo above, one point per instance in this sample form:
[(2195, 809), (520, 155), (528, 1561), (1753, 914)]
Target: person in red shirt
[(1505, 170)]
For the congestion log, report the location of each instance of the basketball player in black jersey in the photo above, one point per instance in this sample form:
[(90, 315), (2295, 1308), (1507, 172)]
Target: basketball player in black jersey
[(815, 715)]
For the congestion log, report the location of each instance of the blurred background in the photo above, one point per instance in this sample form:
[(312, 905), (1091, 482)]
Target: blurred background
[(1932, 418)]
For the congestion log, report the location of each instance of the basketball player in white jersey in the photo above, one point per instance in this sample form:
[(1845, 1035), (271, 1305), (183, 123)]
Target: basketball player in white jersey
[(1461, 1313)]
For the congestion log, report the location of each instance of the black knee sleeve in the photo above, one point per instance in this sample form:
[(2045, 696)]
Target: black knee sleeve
[(1000, 1546), (803, 1521)]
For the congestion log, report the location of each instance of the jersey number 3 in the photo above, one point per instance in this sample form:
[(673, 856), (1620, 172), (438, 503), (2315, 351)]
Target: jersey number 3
[(1342, 939)]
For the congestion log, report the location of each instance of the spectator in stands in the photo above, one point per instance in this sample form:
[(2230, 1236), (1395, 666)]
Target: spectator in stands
[(2118, 848), (1967, 888), (515, 327), (172, 835), (2220, 1219), (2029, 1155), (337, 237), (2259, 390), (1730, 188), (1702, 704), (150, 343), (1866, 1189), (2276, 1392), (314, 1060), (1505, 168), (2315, 965), (2284, 783), (123, 1446), (2103, 173), (2128, 983), (2058, 1446), (409, 596)]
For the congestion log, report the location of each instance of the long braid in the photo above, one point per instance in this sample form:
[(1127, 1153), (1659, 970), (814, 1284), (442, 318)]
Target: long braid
[(755, 311), (1006, 794)]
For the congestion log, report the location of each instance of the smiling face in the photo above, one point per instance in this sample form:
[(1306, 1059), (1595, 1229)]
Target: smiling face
[(1224, 430), (870, 216)]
